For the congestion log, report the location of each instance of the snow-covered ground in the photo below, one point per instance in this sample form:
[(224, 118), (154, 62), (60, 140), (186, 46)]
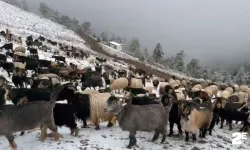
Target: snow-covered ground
[(23, 23)]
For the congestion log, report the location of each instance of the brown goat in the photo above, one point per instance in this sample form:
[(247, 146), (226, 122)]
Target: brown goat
[(195, 118)]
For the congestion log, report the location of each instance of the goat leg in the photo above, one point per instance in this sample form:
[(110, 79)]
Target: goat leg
[(243, 129), (77, 131), (187, 136), (211, 126), (221, 123), (164, 135), (51, 125), (156, 136), (85, 125), (230, 125), (204, 132), (200, 133), (97, 124), (171, 126), (110, 124), (12, 143), (179, 128), (43, 133), (194, 137), (132, 141)]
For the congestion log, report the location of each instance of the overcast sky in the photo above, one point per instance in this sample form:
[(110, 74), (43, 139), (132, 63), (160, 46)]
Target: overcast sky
[(204, 29)]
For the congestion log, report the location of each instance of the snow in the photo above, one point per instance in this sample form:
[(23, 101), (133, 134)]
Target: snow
[(25, 24), (114, 138)]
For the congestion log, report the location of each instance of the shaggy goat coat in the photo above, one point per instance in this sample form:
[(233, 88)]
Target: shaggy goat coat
[(196, 88), (20, 49), (89, 91), (119, 83), (143, 118), (19, 65), (97, 105), (229, 89), (196, 120), (225, 94), (136, 83)]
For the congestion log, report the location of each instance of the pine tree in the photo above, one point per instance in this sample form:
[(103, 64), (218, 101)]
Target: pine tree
[(24, 5), (98, 39), (74, 24), (44, 9), (206, 73), (194, 68), (218, 74), (179, 64), (134, 45), (158, 53), (118, 39), (146, 52), (113, 37), (65, 20), (242, 76), (49, 13), (104, 36), (86, 27)]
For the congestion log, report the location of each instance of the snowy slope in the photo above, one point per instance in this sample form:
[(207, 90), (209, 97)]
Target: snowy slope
[(25, 24), (90, 139)]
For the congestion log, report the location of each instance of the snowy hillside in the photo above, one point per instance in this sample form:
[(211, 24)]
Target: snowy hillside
[(24, 24)]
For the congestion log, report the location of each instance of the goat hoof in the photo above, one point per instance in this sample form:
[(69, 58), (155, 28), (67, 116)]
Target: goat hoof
[(57, 136), (50, 135), (13, 146), (221, 127), (170, 134), (97, 128), (129, 146), (22, 133), (230, 129), (110, 124)]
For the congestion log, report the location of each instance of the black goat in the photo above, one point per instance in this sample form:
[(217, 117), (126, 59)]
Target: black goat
[(8, 67), (92, 82), (64, 115), (7, 46), (59, 58), (3, 58)]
